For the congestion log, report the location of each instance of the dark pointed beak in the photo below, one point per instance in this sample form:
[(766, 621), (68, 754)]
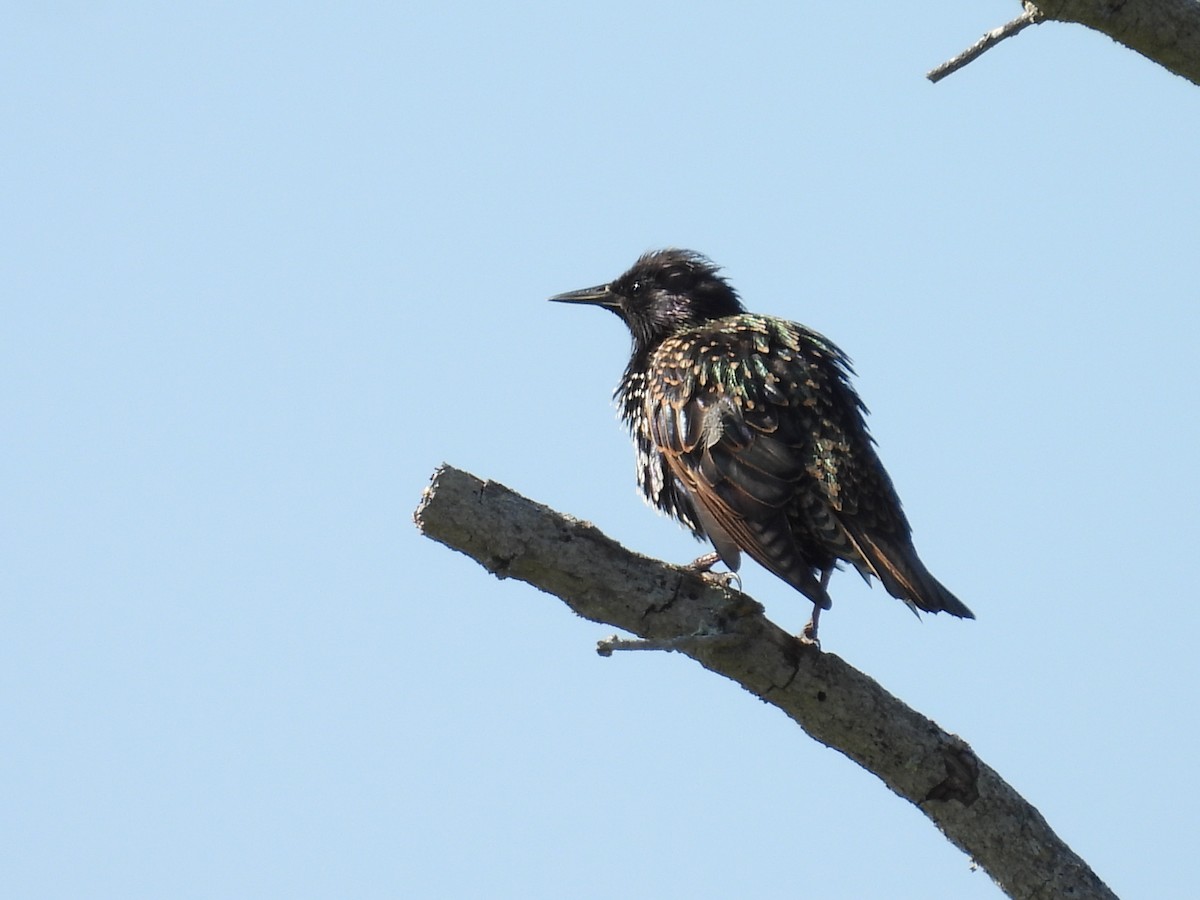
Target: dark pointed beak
[(600, 295)]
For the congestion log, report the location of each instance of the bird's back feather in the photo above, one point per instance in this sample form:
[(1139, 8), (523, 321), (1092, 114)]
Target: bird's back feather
[(749, 431)]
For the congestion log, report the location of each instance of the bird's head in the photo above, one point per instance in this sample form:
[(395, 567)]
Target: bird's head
[(665, 292)]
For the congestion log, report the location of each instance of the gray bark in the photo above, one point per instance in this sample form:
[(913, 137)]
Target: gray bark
[(725, 631), (1164, 31)]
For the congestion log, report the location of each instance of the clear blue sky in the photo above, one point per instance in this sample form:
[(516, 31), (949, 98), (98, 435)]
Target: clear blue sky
[(266, 265)]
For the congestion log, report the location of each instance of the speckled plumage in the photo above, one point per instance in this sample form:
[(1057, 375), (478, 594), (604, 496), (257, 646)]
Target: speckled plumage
[(748, 431)]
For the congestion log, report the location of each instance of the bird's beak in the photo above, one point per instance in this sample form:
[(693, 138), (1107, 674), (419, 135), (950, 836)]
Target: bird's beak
[(600, 295)]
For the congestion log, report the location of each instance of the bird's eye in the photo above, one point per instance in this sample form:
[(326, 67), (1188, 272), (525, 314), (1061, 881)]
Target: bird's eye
[(635, 288)]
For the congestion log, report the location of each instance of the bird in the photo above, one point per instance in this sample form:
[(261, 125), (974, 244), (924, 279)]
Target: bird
[(748, 431)]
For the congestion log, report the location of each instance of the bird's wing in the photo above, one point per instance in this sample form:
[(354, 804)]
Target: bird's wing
[(849, 505), (742, 476), (763, 430)]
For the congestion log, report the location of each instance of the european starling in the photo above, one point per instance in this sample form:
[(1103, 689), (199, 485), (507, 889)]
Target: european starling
[(749, 433)]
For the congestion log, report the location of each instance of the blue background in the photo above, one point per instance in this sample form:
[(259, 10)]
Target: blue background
[(266, 265)]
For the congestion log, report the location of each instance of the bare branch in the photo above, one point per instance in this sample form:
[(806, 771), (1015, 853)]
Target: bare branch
[(1031, 16), (725, 631), (1164, 31)]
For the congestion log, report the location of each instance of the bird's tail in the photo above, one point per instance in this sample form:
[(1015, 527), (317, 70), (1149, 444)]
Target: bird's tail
[(905, 577)]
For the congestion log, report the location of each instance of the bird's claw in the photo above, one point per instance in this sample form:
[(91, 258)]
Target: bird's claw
[(809, 639), (809, 634), (704, 563), (702, 566), (724, 579)]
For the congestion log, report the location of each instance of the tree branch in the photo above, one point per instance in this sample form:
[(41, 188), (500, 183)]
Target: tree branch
[(985, 43), (727, 633), (1164, 31)]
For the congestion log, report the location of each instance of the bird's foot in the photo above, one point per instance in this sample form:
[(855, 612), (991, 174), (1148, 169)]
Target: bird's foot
[(724, 579), (705, 563), (703, 566), (809, 634)]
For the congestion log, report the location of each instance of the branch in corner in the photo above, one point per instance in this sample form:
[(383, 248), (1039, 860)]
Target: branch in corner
[(1031, 16)]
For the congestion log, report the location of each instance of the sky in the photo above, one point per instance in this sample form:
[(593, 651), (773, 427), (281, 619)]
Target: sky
[(267, 265)]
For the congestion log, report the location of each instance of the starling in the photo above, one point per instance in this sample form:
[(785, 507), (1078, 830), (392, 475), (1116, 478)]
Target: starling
[(749, 433)]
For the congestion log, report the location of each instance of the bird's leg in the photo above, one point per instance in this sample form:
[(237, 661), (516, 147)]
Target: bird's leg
[(703, 566), (809, 633), (706, 562)]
